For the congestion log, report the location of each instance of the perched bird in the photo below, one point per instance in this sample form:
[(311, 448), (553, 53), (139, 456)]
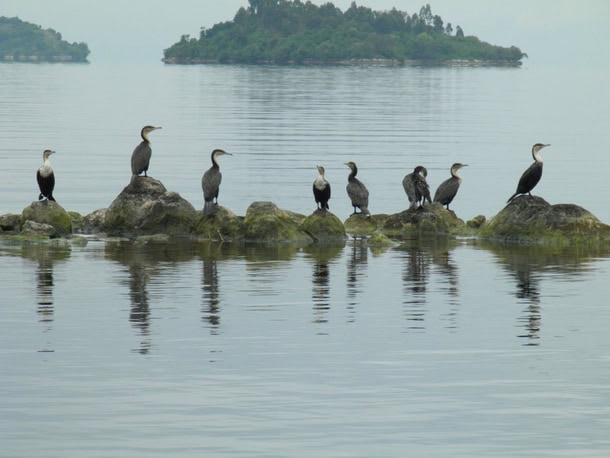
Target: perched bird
[(321, 190), (210, 183), (356, 191), (416, 187), (448, 189), (140, 158), (46, 177), (532, 175)]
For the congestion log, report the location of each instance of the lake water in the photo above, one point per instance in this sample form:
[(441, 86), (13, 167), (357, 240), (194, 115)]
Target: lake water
[(429, 348)]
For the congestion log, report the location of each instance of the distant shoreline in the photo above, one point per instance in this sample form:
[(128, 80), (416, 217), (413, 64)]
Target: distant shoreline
[(41, 59)]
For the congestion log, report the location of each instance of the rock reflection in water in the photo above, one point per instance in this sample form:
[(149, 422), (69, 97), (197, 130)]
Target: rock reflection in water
[(528, 264), (46, 257), (210, 292), (356, 270)]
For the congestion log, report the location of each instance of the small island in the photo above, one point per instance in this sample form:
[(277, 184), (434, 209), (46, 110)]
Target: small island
[(283, 32), (22, 41)]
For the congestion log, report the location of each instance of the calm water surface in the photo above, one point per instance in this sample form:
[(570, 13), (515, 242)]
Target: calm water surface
[(428, 348)]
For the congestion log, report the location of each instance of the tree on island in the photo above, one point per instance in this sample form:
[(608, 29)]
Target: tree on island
[(23, 41), (294, 32)]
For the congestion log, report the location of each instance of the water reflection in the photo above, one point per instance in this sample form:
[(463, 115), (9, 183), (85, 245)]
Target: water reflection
[(418, 258), (357, 264), (144, 262), (210, 292), (529, 264), (321, 257), (46, 257)]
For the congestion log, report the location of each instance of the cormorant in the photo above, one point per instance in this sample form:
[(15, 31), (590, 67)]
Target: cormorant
[(532, 175), (210, 183), (449, 188), (140, 158), (416, 187), (46, 177), (321, 190), (356, 191)]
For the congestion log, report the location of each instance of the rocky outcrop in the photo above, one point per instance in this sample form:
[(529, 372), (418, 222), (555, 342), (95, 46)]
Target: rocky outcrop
[(323, 226), (431, 219), (49, 213), (222, 225), (533, 219), (145, 207), (265, 222), (10, 223)]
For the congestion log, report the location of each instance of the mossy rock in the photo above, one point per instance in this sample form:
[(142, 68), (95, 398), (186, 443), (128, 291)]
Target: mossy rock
[(533, 219), (265, 222), (431, 219), (93, 222), (50, 213), (359, 225), (379, 240), (223, 225), (10, 223), (145, 207), (324, 226)]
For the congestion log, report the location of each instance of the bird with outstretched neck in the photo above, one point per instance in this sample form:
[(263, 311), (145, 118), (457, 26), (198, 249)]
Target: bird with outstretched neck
[(532, 174), (210, 183)]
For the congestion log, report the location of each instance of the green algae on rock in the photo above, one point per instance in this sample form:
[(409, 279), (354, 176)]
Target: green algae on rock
[(222, 225), (324, 226), (429, 219), (533, 219), (50, 213), (265, 222)]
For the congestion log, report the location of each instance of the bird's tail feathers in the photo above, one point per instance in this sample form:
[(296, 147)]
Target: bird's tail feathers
[(208, 207)]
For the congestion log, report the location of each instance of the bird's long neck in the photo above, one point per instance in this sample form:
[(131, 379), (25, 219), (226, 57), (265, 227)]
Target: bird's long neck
[(144, 136), (454, 174), (353, 173), (536, 156), (214, 162)]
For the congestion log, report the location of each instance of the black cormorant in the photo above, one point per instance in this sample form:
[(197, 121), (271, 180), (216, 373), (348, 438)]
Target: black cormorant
[(449, 188), (210, 183), (416, 187), (356, 190), (140, 158), (532, 175), (321, 190), (46, 177)]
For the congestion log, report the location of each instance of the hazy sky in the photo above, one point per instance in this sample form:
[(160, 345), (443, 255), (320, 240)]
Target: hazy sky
[(118, 30)]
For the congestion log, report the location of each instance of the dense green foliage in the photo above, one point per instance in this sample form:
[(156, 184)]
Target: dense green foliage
[(22, 41), (290, 31)]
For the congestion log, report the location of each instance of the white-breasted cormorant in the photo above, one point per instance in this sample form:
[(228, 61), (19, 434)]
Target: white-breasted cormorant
[(140, 158), (46, 177), (532, 175), (449, 188), (356, 191), (416, 187), (210, 183), (321, 190)]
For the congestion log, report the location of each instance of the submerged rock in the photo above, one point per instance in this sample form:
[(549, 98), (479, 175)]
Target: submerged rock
[(324, 226), (223, 224), (145, 207), (50, 213), (265, 222), (533, 219), (429, 219)]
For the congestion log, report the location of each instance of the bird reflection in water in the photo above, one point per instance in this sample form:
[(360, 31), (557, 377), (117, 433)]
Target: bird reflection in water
[(415, 279), (210, 297), (321, 257), (139, 314), (45, 257), (448, 269), (356, 270), (528, 291)]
